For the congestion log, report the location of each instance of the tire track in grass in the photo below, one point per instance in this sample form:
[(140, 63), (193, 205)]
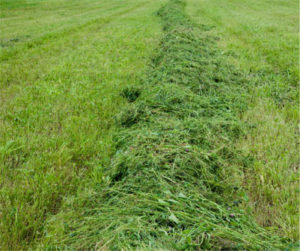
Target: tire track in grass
[(174, 181)]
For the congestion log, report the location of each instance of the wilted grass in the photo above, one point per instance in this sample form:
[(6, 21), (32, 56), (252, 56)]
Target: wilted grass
[(175, 179), (59, 94), (261, 39)]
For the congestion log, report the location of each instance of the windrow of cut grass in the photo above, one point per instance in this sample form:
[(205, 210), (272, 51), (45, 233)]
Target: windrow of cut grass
[(175, 179)]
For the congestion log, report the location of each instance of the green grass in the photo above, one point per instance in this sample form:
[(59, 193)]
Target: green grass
[(125, 126), (174, 182), (59, 94), (261, 39)]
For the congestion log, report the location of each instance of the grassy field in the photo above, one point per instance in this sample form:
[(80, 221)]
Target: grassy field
[(63, 65), (128, 125), (261, 38)]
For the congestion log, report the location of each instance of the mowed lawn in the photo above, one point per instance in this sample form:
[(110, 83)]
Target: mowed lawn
[(63, 64), (261, 38)]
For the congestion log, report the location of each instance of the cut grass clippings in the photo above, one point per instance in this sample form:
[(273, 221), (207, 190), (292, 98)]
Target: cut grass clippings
[(174, 181)]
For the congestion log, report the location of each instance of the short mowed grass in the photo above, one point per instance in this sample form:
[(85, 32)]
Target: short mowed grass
[(59, 93), (148, 125), (261, 39)]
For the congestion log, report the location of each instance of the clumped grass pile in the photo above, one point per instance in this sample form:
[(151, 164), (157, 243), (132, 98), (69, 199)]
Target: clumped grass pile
[(174, 181)]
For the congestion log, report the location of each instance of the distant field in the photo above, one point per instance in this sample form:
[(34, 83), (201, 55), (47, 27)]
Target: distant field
[(126, 125)]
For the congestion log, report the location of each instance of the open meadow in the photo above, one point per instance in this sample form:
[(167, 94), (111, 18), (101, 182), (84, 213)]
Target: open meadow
[(149, 125)]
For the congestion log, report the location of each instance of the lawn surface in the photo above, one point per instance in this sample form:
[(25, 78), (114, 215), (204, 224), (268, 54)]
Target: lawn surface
[(125, 124), (63, 65), (261, 38)]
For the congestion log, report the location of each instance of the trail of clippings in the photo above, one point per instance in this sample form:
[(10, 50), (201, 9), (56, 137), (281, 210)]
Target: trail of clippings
[(173, 183)]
